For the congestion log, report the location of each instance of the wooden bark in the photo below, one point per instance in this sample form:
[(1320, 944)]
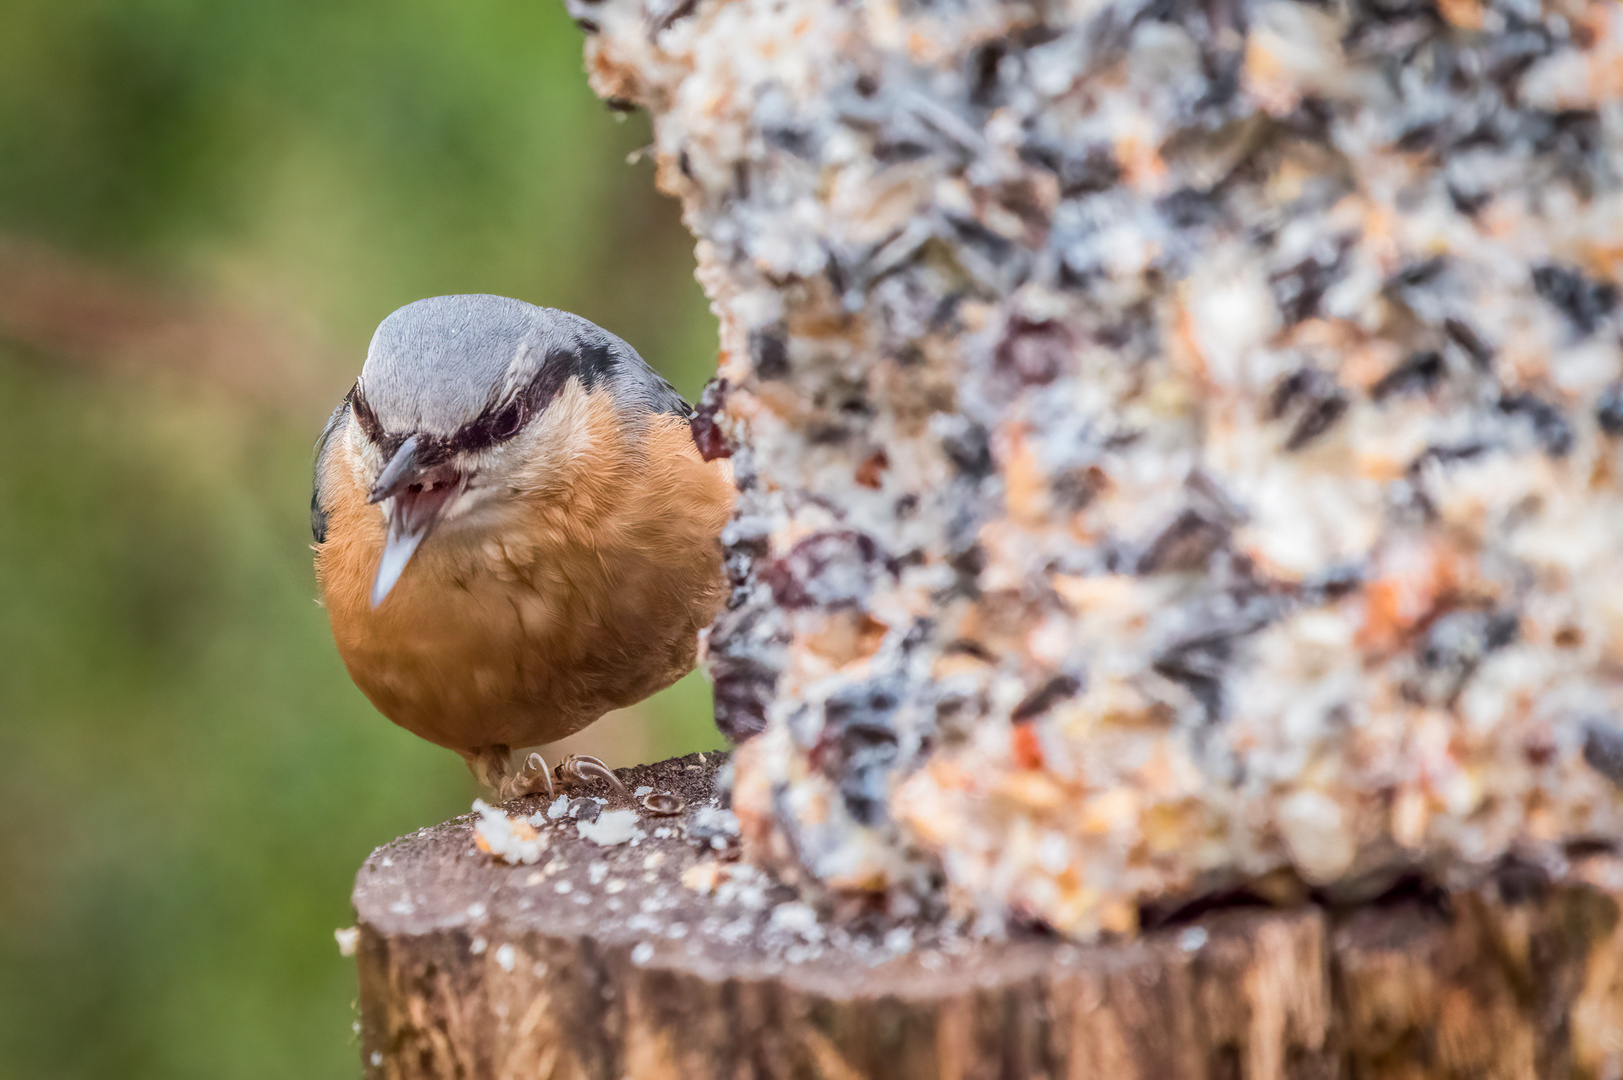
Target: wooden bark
[(473, 968)]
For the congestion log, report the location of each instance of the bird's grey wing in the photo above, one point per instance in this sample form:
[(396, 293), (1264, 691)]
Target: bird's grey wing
[(324, 446)]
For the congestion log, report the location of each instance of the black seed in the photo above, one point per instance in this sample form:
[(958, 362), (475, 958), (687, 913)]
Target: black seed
[(681, 10), (796, 141), (1187, 544), (969, 451), (1449, 454), (1603, 749), (1417, 138), (1609, 410), (1507, 55), (1298, 383), (863, 720), (1451, 649), (1468, 339), (1093, 171), (1419, 273), (983, 72), (1319, 417), (1187, 208), (967, 565), (1298, 290), (1420, 372), (1035, 353), (1581, 300), (770, 352), (743, 688), (1550, 424), (967, 647), (1045, 697), (995, 247), (1468, 202), (1076, 488), (1520, 881)]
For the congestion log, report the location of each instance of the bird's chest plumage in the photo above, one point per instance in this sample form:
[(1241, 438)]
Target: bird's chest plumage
[(524, 630)]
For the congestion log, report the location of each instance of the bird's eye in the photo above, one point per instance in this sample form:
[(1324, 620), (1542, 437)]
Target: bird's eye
[(506, 423)]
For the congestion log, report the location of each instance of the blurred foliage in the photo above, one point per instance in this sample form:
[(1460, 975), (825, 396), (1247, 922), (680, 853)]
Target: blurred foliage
[(187, 777)]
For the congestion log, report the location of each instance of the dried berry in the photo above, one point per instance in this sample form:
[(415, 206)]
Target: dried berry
[(707, 434)]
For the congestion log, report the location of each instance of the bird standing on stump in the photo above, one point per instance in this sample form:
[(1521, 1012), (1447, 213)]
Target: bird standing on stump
[(514, 531)]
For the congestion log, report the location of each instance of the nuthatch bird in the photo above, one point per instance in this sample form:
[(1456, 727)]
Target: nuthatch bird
[(514, 530)]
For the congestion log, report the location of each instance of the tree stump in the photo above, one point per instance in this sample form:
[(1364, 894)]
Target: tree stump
[(662, 959), (1180, 455)]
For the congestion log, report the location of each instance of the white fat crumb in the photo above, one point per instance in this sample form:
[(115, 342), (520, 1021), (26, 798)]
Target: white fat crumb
[(512, 840), (610, 828), (716, 820), (559, 807), (798, 918), (563, 888), (899, 940), (506, 957), (476, 910), (348, 938), (615, 886), (535, 877), (742, 884), (477, 946), (1317, 835), (641, 791), (377, 1059), (642, 953), (1192, 939)]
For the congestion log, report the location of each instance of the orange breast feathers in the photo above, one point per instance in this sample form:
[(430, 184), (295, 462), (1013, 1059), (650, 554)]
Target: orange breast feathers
[(579, 589)]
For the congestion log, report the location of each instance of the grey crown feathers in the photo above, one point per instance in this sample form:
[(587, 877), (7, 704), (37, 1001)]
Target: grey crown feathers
[(444, 365)]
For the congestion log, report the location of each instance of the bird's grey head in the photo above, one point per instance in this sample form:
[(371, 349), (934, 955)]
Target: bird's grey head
[(451, 381)]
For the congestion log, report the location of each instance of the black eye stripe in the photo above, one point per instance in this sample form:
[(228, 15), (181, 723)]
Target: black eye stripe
[(592, 362)]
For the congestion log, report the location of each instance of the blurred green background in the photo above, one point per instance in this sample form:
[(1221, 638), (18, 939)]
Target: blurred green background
[(204, 210)]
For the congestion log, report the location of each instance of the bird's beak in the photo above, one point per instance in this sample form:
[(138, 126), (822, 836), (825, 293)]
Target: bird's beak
[(416, 500)]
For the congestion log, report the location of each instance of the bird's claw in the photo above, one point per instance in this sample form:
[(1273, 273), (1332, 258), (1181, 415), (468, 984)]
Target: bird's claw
[(579, 768), (532, 778)]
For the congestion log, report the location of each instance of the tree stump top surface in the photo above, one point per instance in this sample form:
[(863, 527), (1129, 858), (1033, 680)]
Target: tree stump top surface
[(659, 958), (632, 895)]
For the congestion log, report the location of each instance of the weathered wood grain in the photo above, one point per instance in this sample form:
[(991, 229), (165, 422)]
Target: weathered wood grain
[(472, 968)]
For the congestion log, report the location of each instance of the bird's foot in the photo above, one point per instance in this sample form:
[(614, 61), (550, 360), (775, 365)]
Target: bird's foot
[(580, 768), (532, 778), (492, 766)]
